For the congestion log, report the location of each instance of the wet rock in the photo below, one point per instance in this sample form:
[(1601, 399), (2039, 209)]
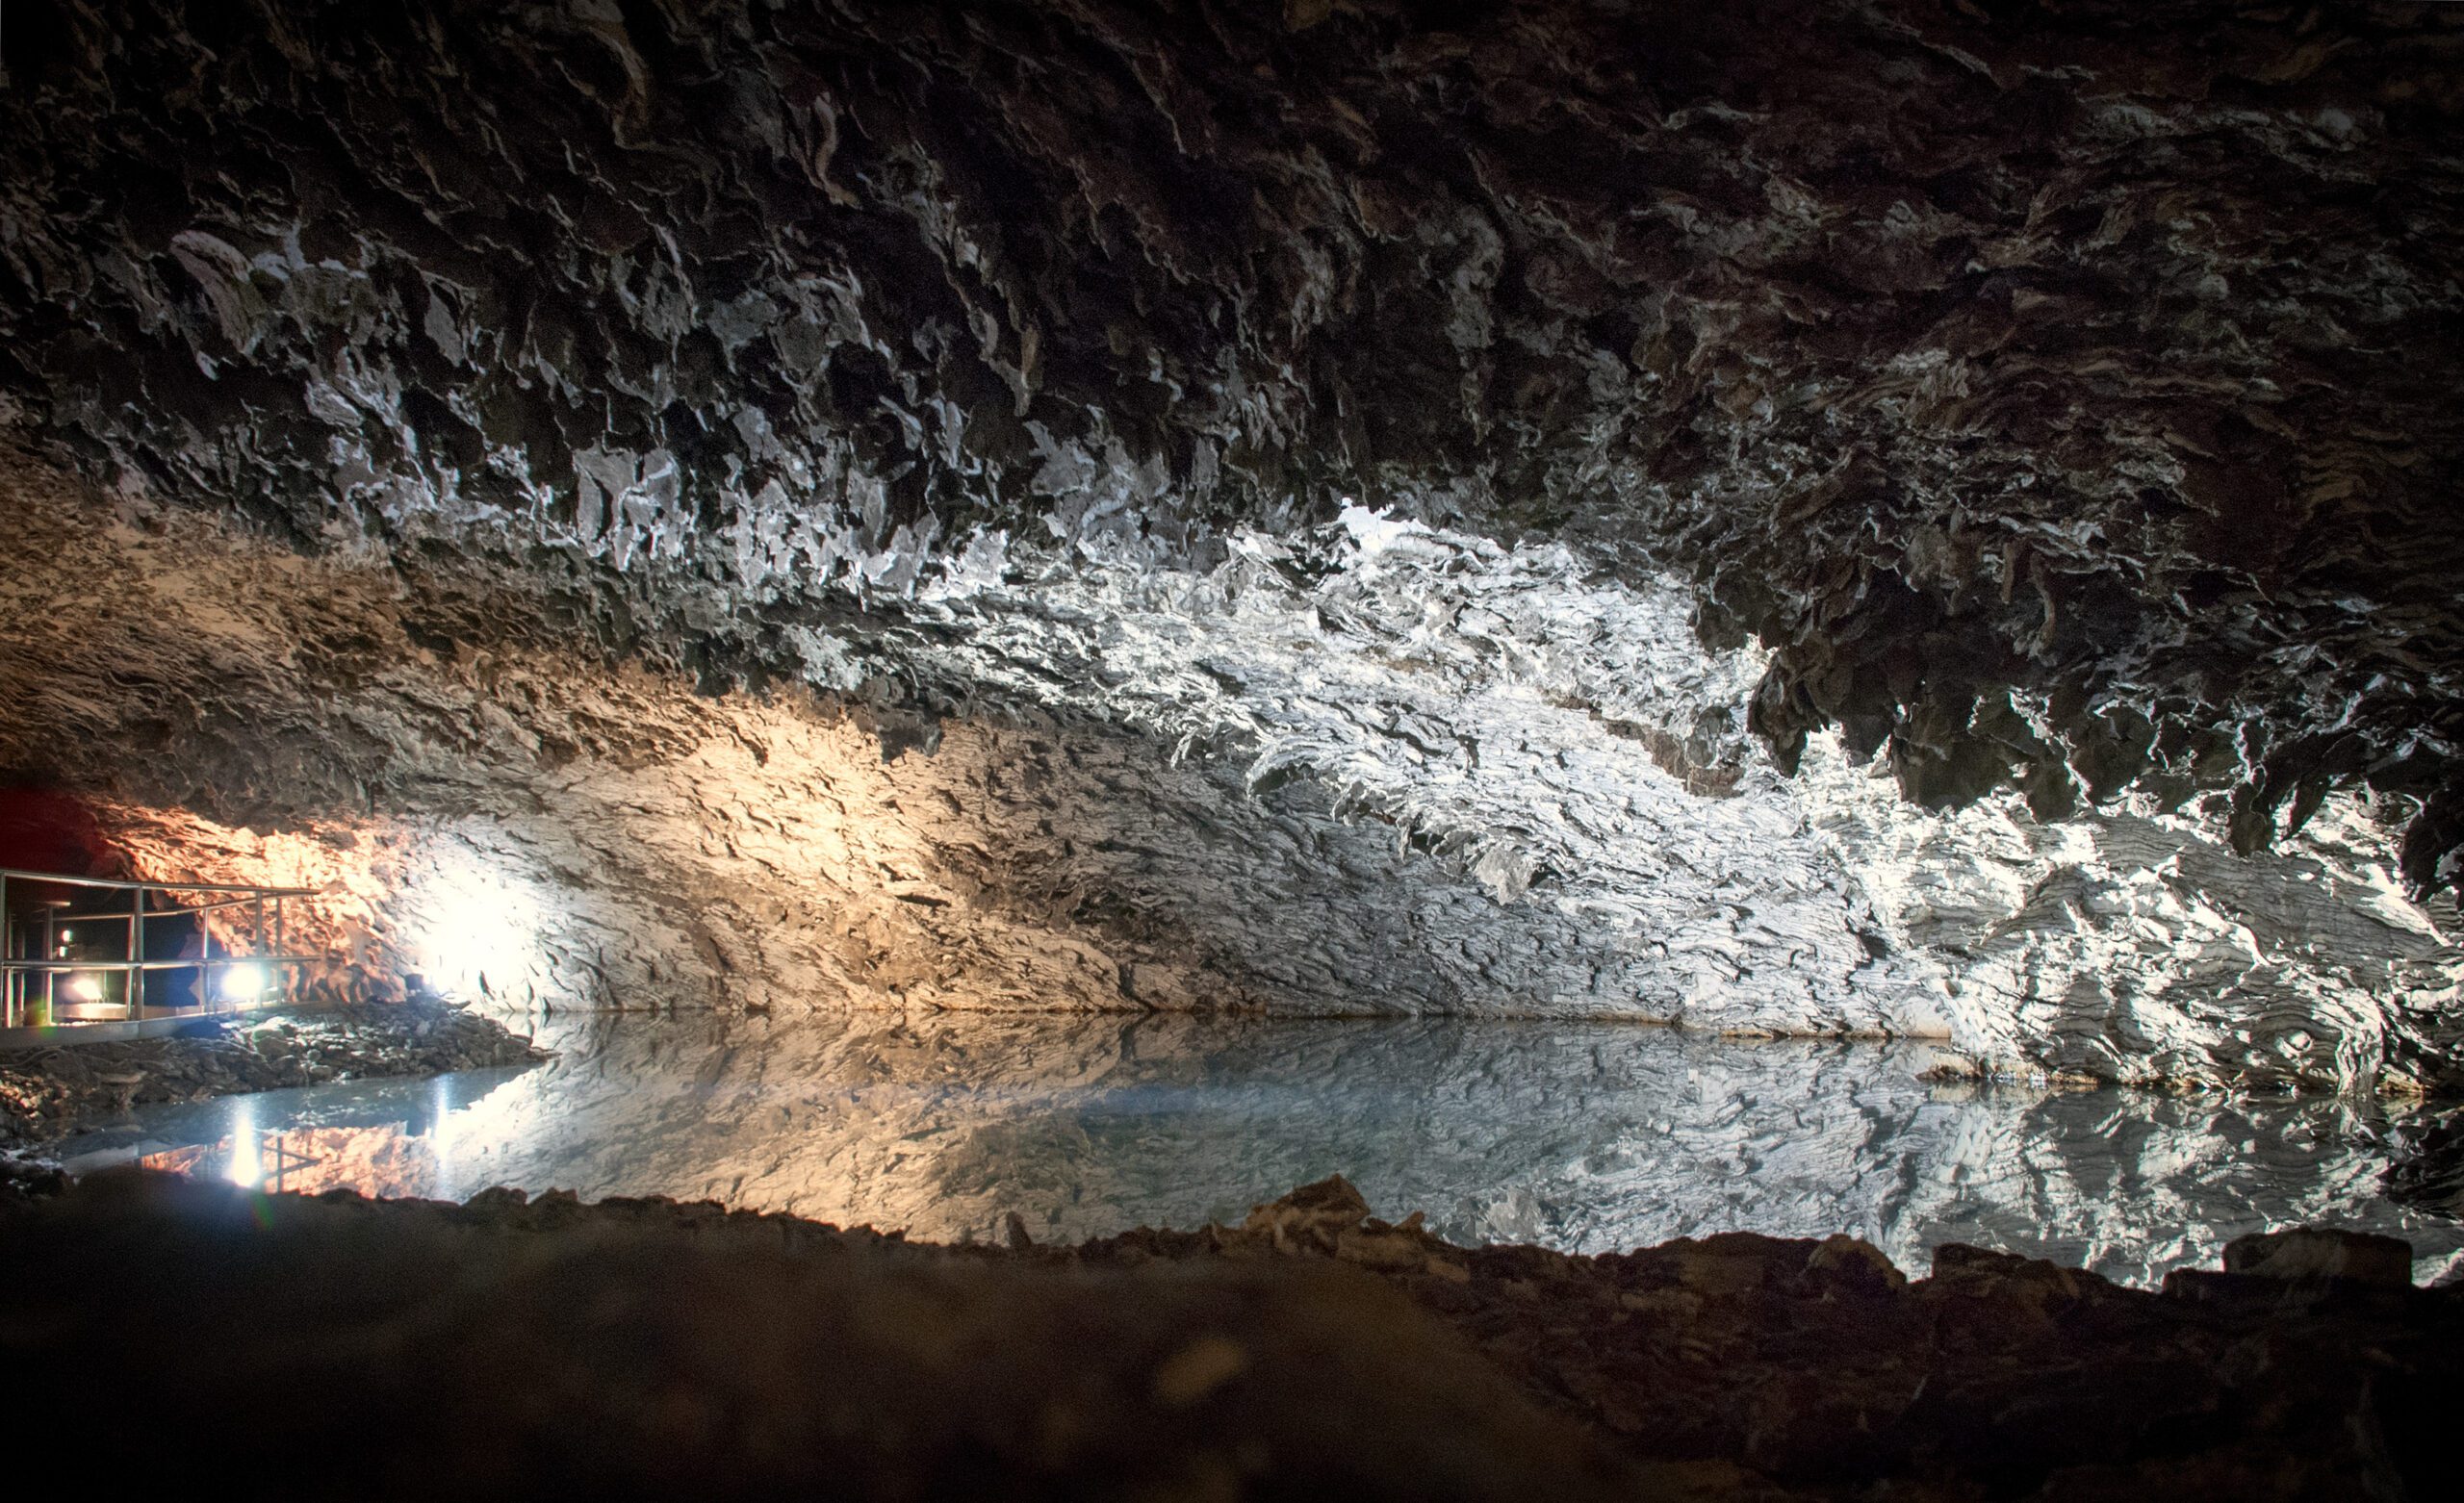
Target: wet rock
[(1314, 1216), (25, 1180)]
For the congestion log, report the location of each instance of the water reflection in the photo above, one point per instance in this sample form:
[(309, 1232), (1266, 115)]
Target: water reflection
[(1583, 1137)]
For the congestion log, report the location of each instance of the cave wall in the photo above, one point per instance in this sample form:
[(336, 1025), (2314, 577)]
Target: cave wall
[(533, 827), (1811, 518), (2061, 394)]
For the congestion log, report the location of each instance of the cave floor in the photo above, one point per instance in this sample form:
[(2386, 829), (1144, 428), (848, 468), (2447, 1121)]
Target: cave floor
[(515, 1346), (1585, 1137)]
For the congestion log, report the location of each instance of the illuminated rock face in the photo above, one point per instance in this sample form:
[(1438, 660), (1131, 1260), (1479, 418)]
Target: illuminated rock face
[(1338, 511), (1475, 833)]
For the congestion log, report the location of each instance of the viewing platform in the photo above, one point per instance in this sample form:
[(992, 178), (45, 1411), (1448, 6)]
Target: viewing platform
[(88, 959)]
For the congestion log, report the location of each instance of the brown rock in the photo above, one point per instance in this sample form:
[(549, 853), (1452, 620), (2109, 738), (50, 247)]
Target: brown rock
[(2322, 1253)]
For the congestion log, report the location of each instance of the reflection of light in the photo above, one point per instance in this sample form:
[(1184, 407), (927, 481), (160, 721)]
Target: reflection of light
[(243, 982), (85, 988), (440, 1136), (246, 1167)]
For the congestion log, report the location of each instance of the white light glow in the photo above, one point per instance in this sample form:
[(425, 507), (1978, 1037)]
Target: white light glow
[(247, 1166), (244, 983), (85, 988), (477, 928)]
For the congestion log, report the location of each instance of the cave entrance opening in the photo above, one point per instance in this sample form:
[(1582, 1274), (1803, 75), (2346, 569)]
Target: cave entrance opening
[(86, 958)]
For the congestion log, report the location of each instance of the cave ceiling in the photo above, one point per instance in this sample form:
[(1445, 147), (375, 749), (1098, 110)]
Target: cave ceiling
[(1597, 446)]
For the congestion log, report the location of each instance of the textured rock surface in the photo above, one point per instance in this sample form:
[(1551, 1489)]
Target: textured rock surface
[(1313, 1351), (520, 821), (1417, 410)]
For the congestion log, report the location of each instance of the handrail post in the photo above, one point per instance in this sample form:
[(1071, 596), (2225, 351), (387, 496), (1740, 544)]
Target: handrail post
[(50, 953), (36, 943), (137, 957)]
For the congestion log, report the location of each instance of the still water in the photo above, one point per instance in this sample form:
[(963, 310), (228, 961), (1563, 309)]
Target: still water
[(1587, 1138)]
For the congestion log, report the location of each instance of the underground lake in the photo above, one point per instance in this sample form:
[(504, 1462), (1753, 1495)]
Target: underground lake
[(1586, 1139)]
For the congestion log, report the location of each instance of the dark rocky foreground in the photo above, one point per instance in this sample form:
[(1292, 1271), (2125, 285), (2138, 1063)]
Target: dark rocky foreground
[(49, 1093), (511, 1346)]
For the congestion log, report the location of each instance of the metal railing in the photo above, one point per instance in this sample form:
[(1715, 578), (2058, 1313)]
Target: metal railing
[(42, 957)]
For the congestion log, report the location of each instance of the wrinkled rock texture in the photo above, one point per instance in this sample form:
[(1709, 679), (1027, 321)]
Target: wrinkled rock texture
[(531, 826), (1507, 435), (2100, 355), (1313, 1351)]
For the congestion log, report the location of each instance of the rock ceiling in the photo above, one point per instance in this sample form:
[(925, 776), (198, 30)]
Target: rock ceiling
[(1813, 518)]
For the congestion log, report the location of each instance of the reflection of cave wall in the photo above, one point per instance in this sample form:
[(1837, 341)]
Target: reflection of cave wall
[(1570, 1135), (1300, 805)]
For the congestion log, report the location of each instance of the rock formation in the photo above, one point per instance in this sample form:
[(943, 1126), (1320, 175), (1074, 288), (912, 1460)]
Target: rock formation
[(1849, 518)]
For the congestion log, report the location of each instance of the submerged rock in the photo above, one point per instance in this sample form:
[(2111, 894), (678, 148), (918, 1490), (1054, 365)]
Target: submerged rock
[(2310, 1253)]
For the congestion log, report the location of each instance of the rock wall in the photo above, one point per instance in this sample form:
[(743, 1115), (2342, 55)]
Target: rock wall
[(517, 821), (1837, 518), (2058, 394)]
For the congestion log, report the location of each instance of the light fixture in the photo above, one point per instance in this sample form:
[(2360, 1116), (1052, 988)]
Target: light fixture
[(244, 983), (85, 988)]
